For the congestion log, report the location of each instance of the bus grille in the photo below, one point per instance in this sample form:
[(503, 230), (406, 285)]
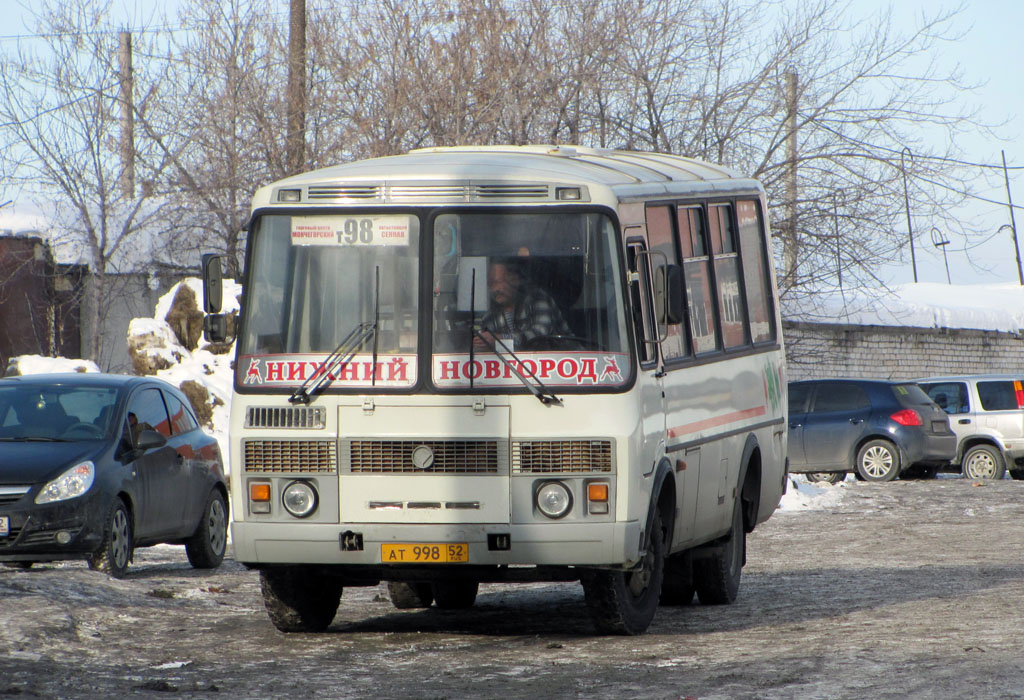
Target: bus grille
[(560, 456), (301, 417), (450, 456), (287, 456)]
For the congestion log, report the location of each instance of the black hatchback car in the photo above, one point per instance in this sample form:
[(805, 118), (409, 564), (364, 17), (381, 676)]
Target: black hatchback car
[(94, 465), (875, 428)]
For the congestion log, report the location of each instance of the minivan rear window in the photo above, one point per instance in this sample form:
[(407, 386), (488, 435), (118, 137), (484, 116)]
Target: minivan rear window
[(998, 396)]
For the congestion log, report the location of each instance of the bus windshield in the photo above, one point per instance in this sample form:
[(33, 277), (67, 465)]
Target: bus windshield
[(514, 294), (312, 280), (539, 290)]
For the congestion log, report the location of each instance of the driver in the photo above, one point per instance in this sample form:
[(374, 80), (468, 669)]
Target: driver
[(518, 311)]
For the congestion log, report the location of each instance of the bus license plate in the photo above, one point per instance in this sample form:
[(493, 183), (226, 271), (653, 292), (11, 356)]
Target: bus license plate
[(5, 526), (424, 553)]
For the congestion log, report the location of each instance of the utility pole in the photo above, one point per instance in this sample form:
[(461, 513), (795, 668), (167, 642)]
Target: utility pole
[(906, 203), (790, 249), (295, 148), (127, 145), (1013, 222)]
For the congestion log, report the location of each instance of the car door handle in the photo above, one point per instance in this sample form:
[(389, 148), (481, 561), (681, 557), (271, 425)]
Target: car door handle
[(964, 421), (794, 426), (856, 421)]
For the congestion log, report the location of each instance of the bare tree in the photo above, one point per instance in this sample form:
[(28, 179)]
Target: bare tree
[(60, 114)]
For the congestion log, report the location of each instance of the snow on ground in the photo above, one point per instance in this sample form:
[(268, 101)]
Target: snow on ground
[(803, 495)]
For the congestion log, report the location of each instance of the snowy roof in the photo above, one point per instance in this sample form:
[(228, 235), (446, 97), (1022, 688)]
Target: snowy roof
[(991, 307)]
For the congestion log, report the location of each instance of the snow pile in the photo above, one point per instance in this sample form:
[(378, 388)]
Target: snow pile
[(176, 364), (803, 495), (992, 307), (37, 364)]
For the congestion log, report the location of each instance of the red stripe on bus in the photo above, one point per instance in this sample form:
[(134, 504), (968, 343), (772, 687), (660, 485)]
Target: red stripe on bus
[(717, 421)]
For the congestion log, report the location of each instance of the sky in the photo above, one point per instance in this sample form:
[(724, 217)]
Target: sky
[(990, 54)]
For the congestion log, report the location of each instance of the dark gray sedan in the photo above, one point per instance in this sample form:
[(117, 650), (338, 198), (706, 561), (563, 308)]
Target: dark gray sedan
[(94, 465), (875, 428)]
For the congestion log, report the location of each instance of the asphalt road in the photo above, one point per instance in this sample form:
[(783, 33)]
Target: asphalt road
[(904, 590)]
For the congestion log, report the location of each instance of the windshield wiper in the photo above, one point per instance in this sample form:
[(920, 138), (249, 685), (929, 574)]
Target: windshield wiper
[(342, 354), (536, 387), (35, 438)]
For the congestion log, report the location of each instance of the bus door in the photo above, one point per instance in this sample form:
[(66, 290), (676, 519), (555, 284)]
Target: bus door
[(650, 381)]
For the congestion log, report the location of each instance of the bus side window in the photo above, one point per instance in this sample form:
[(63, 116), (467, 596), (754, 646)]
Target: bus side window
[(756, 279), (731, 309), (640, 301), (662, 238), (697, 275)]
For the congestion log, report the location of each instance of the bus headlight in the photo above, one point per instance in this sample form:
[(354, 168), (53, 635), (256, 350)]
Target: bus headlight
[(299, 499), (554, 499)]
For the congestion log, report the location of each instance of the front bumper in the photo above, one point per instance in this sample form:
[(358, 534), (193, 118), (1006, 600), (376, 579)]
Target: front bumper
[(549, 544), (64, 530)]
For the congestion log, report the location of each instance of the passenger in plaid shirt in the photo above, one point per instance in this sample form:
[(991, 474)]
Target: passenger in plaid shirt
[(519, 311)]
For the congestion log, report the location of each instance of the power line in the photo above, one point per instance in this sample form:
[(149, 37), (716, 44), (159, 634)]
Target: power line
[(922, 156)]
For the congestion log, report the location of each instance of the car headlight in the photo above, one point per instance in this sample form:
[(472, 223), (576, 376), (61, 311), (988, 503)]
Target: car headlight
[(71, 484), (554, 499), (299, 499)]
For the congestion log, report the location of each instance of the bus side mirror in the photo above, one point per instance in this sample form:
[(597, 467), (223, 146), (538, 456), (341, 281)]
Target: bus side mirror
[(215, 324), (668, 294), (213, 283), (215, 328)]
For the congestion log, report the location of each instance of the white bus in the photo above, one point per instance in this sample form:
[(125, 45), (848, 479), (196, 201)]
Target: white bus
[(491, 364)]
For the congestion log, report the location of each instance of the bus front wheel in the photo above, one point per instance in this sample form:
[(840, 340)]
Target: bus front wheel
[(624, 602), (300, 600)]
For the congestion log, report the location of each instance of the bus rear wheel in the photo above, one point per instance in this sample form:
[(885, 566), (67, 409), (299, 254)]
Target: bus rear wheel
[(298, 599), (716, 574), (455, 595), (624, 602)]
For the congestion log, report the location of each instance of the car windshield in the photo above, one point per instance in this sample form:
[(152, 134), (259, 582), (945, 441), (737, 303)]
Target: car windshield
[(58, 412), (537, 291), (313, 279)]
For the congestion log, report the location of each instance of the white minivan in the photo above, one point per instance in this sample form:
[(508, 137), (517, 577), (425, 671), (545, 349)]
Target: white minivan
[(986, 411)]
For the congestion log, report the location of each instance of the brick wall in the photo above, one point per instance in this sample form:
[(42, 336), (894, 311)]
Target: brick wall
[(819, 350)]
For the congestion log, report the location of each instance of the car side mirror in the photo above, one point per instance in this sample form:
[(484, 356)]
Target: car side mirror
[(149, 439)]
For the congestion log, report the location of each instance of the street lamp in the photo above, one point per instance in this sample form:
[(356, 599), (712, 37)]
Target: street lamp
[(939, 242)]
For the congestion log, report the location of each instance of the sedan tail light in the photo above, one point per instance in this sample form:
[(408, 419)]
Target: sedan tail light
[(907, 416), (1019, 391)]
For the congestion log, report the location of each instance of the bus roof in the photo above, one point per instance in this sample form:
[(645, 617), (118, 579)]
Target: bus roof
[(494, 174)]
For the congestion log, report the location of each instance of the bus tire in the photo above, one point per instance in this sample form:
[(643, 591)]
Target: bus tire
[(716, 574), (298, 599), (624, 602), (455, 595), (409, 596)]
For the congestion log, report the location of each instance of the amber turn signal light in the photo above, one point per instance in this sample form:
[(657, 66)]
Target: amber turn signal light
[(597, 492)]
